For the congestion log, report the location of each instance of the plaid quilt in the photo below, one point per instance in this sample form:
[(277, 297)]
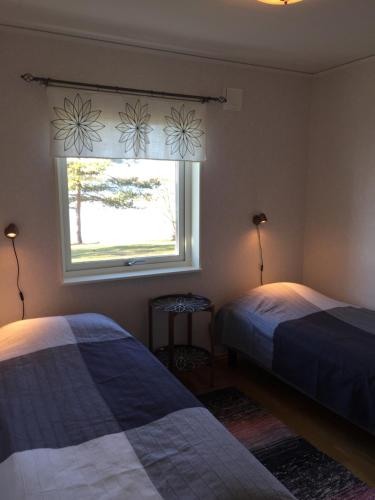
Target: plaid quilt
[(321, 346), (86, 412)]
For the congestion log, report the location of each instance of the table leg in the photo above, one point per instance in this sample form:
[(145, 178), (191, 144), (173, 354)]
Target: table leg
[(190, 328), (150, 328), (212, 343), (232, 358), (171, 317)]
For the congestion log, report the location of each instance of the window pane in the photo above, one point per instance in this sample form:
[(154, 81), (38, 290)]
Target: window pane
[(122, 209)]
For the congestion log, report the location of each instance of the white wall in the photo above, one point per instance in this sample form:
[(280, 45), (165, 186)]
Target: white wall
[(340, 212), (256, 161)]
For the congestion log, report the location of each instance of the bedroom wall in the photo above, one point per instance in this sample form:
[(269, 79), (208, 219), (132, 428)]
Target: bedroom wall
[(256, 161), (340, 213)]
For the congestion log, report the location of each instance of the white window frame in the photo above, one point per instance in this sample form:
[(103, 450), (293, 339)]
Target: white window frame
[(188, 237)]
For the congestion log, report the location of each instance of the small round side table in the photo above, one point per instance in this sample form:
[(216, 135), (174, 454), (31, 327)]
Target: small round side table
[(182, 304)]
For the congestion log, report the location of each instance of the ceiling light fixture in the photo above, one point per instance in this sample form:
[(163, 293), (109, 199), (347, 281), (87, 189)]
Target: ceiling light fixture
[(280, 2)]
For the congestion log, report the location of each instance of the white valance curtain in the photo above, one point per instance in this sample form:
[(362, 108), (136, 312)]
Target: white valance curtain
[(100, 125)]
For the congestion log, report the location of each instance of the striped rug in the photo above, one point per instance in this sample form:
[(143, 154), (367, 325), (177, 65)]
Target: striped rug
[(307, 472)]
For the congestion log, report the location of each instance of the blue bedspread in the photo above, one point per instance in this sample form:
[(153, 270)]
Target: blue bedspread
[(86, 412), (323, 347)]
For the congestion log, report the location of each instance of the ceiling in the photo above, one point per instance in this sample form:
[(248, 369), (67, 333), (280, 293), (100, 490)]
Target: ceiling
[(310, 37)]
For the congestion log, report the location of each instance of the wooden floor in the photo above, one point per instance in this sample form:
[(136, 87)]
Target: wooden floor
[(336, 437)]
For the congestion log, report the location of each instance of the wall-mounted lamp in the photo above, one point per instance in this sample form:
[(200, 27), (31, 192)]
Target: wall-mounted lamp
[(259, 219), (11, 232)]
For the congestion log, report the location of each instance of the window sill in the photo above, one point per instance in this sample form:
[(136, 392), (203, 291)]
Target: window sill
[(75, 279)]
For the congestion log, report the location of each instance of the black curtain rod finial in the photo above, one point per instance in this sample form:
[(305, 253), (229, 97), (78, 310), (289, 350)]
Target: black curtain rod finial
[(27, 77)]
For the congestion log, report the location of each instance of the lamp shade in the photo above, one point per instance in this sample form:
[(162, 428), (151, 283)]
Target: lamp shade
[(11, 231), (260, 219)]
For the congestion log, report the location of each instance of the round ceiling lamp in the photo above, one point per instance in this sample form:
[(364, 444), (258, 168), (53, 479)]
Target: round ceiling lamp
[(280, 2)]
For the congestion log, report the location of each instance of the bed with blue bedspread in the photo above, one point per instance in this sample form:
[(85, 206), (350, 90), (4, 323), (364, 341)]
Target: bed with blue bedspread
[(321, 346), (86, 412)]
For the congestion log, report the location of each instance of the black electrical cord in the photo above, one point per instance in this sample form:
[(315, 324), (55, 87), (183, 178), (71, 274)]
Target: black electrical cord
[(20, 293), (261, 267)]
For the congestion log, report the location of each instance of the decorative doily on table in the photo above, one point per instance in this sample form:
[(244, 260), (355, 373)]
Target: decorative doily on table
[(181, 303)]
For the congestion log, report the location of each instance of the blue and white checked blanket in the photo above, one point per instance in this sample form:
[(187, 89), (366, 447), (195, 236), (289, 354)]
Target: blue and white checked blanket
[(324, 347), (86, 412)]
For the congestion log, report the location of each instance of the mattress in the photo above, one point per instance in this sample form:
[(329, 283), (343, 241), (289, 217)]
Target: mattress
[(87, 412), (321, 346)]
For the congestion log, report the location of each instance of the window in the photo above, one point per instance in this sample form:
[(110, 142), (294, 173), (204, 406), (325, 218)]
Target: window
[(123, 218)]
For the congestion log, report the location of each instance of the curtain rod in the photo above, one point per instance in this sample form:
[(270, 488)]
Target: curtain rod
[(51, 82)]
